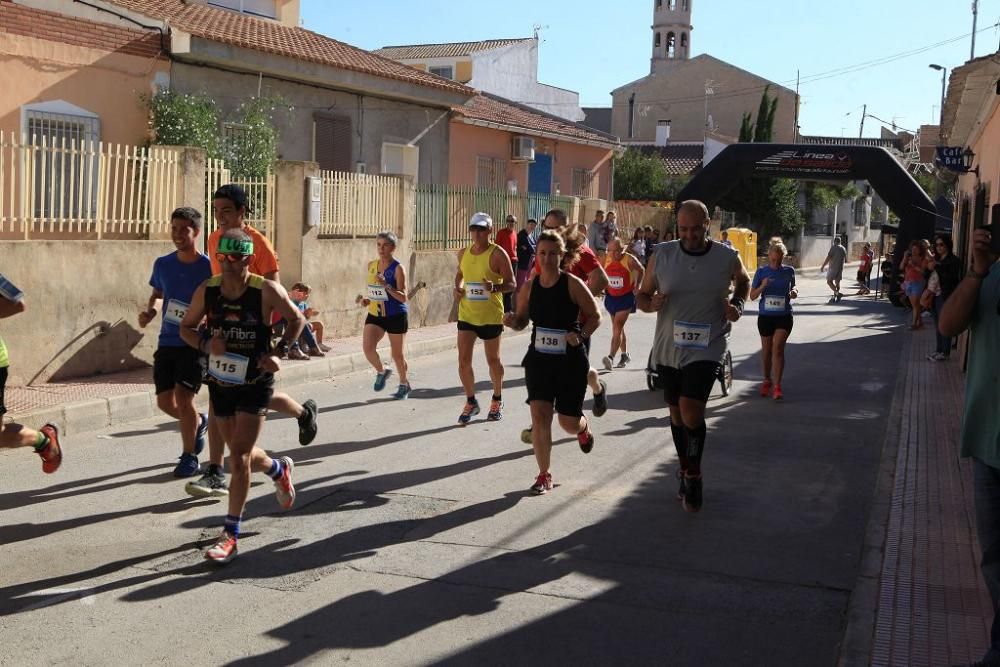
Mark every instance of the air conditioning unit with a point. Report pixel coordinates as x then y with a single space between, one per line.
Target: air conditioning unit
524 149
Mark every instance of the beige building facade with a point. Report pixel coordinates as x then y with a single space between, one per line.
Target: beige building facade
682 98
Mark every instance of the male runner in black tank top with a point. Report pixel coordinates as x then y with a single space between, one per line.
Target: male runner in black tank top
241 367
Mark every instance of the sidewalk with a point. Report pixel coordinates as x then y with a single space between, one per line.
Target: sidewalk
91 403
920 599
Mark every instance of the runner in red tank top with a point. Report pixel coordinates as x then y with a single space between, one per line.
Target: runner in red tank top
620 299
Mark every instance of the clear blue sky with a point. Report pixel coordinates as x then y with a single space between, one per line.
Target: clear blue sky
593 46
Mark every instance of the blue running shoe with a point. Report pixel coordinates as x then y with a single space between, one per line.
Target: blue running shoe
380 379
199 438
471 410
402 392
187 466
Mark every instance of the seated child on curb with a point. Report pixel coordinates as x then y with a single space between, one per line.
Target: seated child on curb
312 334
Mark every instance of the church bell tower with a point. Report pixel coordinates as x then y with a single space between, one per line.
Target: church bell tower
671 32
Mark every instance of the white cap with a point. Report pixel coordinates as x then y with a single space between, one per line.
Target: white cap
481 221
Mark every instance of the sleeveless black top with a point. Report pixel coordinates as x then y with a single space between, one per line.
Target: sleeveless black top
552 307
241 322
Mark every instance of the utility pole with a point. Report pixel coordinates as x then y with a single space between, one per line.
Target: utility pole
795 127
975 15
864 112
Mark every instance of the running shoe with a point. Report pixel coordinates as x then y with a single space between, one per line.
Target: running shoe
608 363
692 493
542 485
496 411
601 401
623 361
307 423
316 352
284 491
224 549
936 356
380 379
778 394
585 440
52 453
199 437
210 485
765 387
526 436
325 348
682 487
471 410
402 392
839 297
187 466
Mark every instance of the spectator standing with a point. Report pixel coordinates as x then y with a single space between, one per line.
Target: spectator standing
526 241
949 273
865 269
601 231
637 246
973 305
506 238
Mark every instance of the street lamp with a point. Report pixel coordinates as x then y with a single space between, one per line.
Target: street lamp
968 158
944 73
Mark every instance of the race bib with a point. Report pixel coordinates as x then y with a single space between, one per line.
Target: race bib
774 304
228 367
616 282
476 292
550 341
175 311
692 335
378 293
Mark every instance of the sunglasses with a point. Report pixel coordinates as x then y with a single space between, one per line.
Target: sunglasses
232 258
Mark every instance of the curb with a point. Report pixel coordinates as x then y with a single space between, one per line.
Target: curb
97 413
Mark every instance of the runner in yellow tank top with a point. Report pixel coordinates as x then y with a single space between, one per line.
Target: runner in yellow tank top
484 275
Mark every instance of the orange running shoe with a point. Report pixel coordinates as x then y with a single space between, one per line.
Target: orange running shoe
51 454
224 549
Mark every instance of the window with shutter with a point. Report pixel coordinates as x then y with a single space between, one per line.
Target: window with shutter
332 142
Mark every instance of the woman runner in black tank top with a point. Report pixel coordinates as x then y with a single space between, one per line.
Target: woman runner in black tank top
556 365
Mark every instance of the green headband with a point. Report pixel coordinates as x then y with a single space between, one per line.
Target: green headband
230 246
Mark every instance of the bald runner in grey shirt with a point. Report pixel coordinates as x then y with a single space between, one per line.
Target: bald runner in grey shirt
687 284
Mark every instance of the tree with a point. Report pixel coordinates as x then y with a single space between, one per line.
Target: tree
769 206
640 176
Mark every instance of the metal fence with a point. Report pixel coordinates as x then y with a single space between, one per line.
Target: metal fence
443 212
361 205
67 188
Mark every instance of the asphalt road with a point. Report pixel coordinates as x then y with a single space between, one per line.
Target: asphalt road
413 541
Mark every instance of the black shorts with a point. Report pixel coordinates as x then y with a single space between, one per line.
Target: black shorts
3 384
184 366
557 379
483 332
394 324
251 398
768 324
694 381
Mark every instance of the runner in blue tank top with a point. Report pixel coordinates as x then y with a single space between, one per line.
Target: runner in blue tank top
774 285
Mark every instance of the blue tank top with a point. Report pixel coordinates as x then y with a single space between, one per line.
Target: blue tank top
390 307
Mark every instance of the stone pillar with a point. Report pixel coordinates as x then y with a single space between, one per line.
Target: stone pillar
192 185
290 232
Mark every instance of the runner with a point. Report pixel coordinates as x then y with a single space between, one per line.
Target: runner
556 366
241 366
865 270
177 369
686 284
620 299
776 284
484 273
231 208
587 268
835 258
44 441
387 313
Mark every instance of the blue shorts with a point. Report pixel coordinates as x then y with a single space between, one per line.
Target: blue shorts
914 287
616 304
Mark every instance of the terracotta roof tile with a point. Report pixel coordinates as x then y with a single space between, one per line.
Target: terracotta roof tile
267 36
493 109
679 159
451 50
